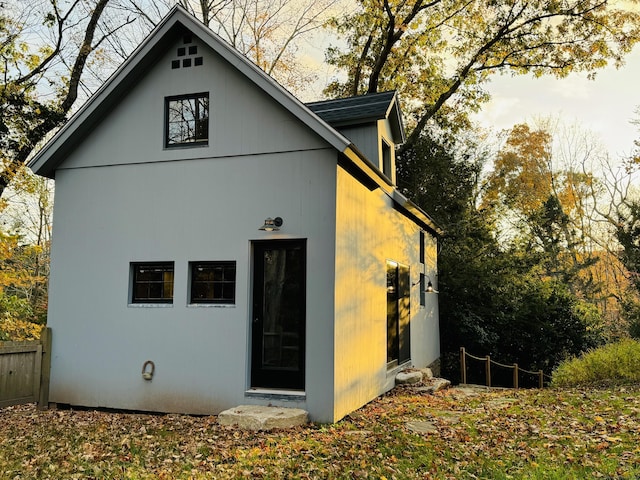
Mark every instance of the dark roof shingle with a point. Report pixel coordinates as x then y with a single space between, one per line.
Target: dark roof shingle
353 110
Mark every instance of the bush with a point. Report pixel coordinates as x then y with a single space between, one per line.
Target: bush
613 364
18 330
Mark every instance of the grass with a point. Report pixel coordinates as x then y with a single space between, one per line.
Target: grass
612 364
534 434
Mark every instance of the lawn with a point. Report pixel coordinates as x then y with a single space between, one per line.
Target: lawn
537 434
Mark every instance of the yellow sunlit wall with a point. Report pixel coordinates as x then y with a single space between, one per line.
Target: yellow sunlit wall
369 231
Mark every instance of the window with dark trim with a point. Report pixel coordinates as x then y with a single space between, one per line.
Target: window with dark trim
386 160
187 120
213 282
398 314
152 282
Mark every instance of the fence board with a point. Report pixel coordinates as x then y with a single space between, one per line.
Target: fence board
21 371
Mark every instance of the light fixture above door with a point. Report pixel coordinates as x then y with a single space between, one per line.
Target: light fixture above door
272 224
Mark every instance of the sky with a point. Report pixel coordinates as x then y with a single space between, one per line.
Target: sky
604 106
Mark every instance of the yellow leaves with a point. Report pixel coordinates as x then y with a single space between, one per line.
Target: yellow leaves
522 176
19 330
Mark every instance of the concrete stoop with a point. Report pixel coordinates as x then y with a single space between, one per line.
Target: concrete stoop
256 417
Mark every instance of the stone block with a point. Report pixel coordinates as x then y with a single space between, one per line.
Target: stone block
256 417
408 377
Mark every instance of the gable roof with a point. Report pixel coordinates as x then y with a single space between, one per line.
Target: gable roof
362 109
174 25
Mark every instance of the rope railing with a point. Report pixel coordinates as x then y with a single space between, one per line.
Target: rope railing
488 362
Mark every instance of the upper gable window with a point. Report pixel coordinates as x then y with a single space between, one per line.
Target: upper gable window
187 120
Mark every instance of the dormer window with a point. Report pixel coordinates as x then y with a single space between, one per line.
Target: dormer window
187 120
387 168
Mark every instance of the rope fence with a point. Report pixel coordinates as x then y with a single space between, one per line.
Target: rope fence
488 362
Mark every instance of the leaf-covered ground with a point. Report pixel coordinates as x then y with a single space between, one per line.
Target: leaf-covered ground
572 434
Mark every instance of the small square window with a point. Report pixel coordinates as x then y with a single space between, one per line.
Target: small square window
187 39
212 282
197 61
193 50
182 51
186 62
187 120
152 282
175 64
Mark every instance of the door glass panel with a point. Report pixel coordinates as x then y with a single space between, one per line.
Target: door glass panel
282 309
392 312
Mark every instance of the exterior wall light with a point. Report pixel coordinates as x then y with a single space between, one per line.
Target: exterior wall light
430 288
272 224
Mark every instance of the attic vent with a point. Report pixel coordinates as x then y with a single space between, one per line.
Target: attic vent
187 56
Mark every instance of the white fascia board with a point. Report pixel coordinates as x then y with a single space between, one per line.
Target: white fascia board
394 115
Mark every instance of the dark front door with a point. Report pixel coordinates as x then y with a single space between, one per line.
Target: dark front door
278 325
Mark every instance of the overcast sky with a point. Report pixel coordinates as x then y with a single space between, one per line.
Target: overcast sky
604 106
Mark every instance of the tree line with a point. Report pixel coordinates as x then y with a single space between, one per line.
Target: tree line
540 255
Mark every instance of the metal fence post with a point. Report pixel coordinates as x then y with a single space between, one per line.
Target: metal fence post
488 371
515 375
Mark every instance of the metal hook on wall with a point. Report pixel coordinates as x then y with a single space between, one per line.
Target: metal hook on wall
148 374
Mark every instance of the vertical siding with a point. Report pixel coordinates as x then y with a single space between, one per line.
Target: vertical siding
242 119
190 210
366 138
370 232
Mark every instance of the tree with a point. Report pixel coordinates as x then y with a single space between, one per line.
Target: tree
438 53
42 76
628 234
493 297
25 238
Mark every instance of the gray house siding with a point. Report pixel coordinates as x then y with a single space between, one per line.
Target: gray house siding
180 212
242 121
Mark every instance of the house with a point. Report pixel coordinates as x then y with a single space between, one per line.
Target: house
217 242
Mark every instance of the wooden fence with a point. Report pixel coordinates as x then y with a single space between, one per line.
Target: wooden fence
488 362
24 371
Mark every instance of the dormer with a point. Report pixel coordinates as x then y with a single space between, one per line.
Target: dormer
372 122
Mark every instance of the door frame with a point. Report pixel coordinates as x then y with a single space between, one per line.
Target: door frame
260 377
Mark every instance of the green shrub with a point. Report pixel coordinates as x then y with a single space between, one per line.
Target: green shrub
613 364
